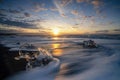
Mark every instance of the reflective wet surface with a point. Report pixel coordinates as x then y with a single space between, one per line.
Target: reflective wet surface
77 63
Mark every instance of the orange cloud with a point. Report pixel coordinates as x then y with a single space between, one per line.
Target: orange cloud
96 3
74 12
79 1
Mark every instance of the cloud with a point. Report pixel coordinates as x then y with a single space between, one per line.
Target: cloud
2 10
60 4
102 31
53 9
16 15
98 6
39 7
27 14
99 11
57 4
96 3
74 12
2 15
14 11
63 15
9 31
6 13
79 1
13 29
117 30
4 21
114 31
65 2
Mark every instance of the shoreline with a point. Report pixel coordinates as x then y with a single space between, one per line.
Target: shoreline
8 65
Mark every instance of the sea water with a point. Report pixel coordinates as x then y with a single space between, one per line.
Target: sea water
76 62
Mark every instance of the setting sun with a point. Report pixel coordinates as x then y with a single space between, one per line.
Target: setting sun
56 31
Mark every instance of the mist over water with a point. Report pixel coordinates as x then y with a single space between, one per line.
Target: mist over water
76 62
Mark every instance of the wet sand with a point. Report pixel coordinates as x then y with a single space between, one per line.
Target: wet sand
8 65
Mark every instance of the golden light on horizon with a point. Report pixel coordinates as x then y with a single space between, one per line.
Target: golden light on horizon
56 31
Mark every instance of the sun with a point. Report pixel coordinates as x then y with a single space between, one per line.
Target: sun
56 31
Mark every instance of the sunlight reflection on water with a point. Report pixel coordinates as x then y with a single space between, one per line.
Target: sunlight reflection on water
56 52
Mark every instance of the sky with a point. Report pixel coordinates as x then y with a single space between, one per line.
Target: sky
59 17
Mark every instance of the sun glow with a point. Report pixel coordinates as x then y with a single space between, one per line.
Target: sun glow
56 31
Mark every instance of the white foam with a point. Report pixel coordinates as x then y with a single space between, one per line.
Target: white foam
38 73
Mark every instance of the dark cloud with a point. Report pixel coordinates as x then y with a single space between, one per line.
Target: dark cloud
2 15
14 11
76 24
108 31
13 14
9 31
102 31
3 10
16 23
118 30
27 14
9 11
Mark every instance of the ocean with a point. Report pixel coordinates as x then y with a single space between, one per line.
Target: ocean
76 62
